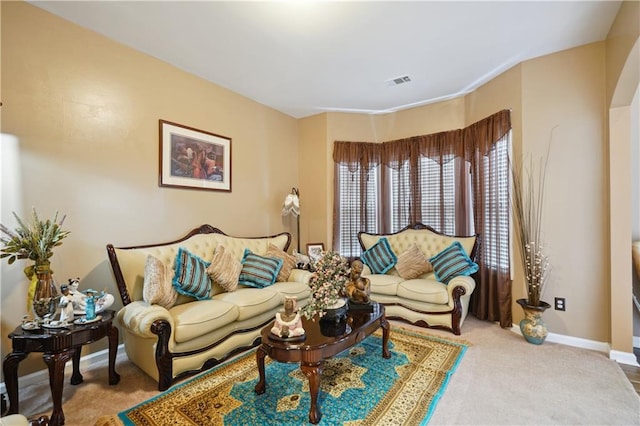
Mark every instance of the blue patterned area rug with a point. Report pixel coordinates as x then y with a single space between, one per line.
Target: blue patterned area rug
358 387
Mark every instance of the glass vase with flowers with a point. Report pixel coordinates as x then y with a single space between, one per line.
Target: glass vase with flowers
35 241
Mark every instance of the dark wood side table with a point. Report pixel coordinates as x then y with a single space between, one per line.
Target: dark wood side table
318 346
58 346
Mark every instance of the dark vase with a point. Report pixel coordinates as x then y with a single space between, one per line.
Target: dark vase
45 297
532 326
338 313
332 328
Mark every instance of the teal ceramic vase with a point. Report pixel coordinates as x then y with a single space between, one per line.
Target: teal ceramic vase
532 326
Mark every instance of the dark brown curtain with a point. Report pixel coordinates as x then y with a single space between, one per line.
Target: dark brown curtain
468 151
491 300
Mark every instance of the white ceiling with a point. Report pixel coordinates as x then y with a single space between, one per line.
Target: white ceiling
305 57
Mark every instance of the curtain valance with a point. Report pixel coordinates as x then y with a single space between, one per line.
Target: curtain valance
476 139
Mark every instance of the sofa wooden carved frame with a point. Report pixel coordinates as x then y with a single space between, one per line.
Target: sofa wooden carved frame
457 293
162 328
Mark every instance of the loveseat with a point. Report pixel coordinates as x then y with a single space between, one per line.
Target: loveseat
179 318
404 280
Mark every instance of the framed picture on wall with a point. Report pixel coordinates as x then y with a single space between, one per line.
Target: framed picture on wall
314 251
194 159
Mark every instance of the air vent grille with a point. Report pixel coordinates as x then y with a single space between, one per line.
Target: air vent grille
398 80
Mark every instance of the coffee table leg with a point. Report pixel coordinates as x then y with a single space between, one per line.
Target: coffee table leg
385 337
313 373
262 384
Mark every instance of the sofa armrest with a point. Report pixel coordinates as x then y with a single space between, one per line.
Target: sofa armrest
138 318
467 283
300 276
365 270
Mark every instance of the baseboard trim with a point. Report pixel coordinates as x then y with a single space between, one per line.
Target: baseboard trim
624 358
604 347
86 362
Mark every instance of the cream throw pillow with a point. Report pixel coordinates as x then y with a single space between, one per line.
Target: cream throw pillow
288 262
224 269
157 288
412 263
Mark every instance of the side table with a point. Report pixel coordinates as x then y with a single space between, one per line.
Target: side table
58 345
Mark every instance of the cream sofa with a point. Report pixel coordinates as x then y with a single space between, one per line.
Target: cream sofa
193 335
423 300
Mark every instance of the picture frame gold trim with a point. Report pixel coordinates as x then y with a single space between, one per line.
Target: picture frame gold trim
193 159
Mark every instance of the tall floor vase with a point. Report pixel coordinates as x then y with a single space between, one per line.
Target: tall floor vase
45 296
532 326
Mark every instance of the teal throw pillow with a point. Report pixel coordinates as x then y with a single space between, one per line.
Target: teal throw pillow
451 262
190 277
380 258
259 271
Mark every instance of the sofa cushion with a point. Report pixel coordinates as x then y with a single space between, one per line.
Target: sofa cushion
251 301
412 263
380 258
384 284
224 269
259 271
190 276
424 290
157 289
451 262
197 318
288 262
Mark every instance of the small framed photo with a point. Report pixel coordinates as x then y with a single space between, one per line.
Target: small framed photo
195 159
314 251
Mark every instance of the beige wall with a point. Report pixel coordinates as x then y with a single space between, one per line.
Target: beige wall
623 83
564 90
80 121
84 111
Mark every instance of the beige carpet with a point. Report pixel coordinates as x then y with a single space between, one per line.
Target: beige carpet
502 380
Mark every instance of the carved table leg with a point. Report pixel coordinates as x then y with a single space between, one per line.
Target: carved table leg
56 363
261 386
10 371
76 377
313 373
385 337
114 377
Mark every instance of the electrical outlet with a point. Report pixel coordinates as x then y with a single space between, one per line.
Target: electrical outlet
560 304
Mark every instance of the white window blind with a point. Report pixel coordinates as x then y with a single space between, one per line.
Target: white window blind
358 198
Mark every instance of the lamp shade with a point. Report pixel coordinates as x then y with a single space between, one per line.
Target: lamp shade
291 204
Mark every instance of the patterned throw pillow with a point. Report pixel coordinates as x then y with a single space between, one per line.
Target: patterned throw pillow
412 263
224 269
259 271
157 288
380 258
191 277
288 262
451 262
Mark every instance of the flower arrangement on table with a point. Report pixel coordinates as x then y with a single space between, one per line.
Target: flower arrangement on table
327 283
33 240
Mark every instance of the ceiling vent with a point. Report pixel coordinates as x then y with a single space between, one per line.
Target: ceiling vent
398 80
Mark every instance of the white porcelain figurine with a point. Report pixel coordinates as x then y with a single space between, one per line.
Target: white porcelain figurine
79 299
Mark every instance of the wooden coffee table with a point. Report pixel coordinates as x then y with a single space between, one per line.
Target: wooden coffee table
317 347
